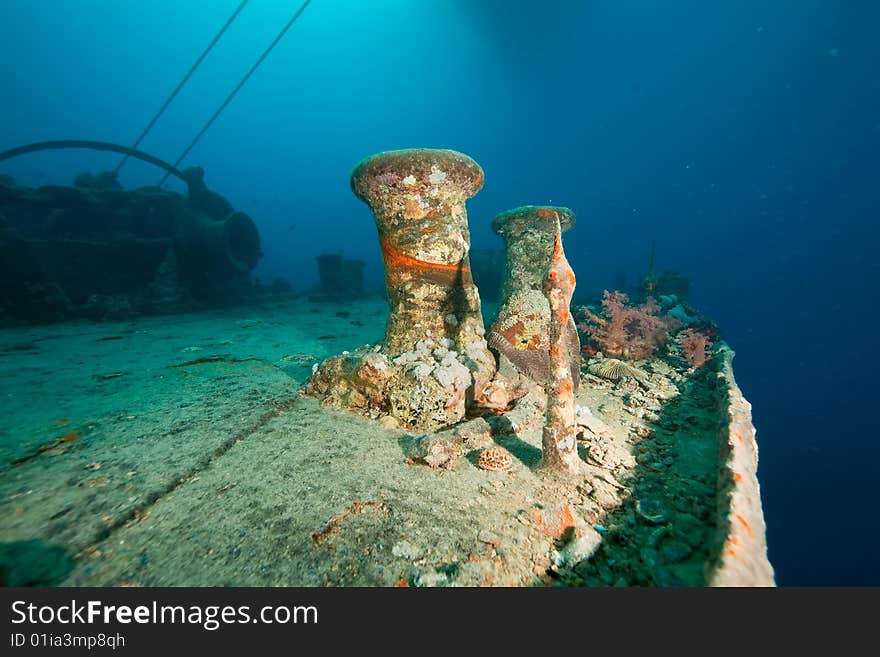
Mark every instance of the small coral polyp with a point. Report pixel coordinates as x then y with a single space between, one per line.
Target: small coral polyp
434 357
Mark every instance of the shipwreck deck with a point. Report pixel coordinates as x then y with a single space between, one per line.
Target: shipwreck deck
178 451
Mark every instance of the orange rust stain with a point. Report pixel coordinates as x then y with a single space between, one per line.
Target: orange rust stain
402 583
567 386
567 518
536 516
543 212
69 437
554 525
60 422
731 553
744 523
738 436
737 476
479 179
559 524
557 247
571 279
734 540
395 258
428 231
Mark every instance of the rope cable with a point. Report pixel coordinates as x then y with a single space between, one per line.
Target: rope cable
181 84
238 87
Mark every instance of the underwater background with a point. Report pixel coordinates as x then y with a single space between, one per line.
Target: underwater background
742 138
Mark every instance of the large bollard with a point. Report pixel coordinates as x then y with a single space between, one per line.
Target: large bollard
417 197
433 362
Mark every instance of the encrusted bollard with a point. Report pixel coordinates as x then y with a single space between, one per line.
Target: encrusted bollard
559 442
417 197
434 360
522 330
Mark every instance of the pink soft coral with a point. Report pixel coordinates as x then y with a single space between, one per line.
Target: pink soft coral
627 332
697 347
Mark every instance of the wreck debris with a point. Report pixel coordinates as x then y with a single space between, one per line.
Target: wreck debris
435 450
101 252
340 279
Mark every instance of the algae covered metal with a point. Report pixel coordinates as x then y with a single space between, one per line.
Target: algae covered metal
559 443
741 537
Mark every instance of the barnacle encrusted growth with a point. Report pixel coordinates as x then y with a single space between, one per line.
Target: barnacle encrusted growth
435 359
417 197
521 333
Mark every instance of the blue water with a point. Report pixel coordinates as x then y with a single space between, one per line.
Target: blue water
742 136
